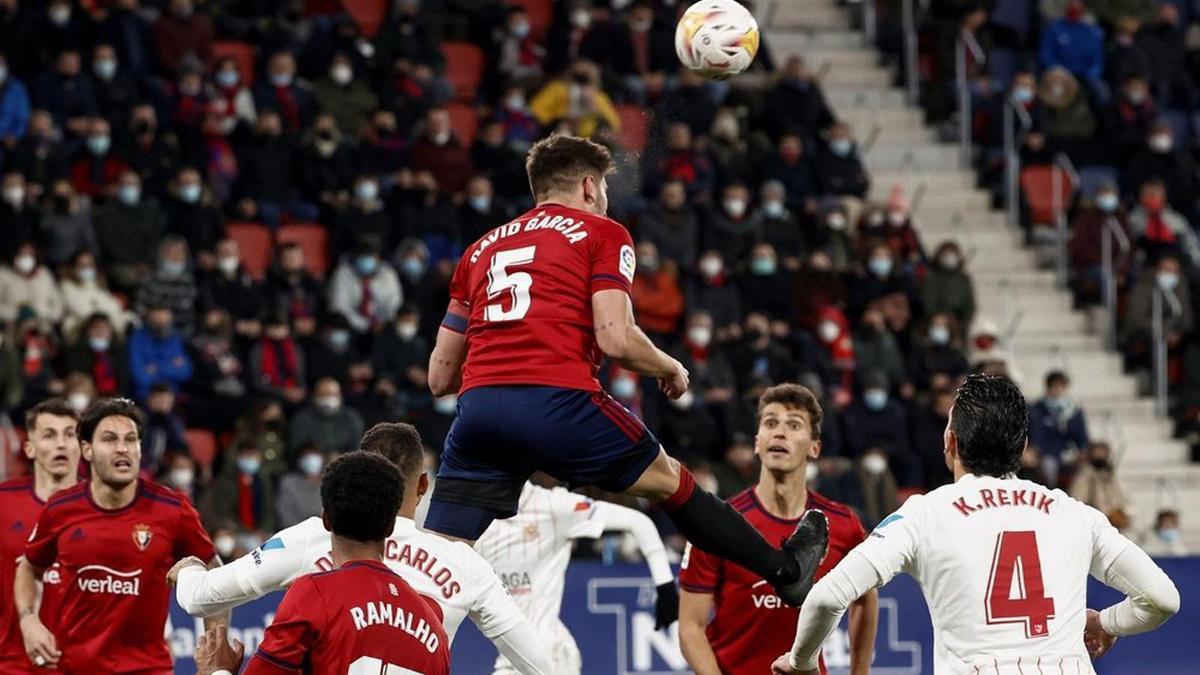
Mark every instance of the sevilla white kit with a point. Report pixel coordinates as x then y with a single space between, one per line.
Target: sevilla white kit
1003 564
451 573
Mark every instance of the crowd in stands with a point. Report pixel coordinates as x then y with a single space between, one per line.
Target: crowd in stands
244 215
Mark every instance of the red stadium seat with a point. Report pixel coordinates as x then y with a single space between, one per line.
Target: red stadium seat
541 15
314 240
464 68
1037 184
635 126
255 242
202 444
464 120
368 14
242 52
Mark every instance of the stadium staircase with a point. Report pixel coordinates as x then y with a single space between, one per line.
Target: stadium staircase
1012 288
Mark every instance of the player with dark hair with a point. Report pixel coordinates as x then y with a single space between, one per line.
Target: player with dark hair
971 543
53 450
729 621
115 537
534 305
360 617
451 573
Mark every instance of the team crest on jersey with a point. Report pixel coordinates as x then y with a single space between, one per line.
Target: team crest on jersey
628 262
531 532
142 536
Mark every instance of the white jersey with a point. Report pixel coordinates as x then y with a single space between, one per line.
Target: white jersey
451 573
1003 564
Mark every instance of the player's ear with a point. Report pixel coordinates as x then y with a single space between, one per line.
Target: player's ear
422 485
27 448
325 522
814 450
85 449
591 191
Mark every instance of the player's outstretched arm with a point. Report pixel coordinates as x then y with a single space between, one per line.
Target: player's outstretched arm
619 518
40 644
449 352
619 337
695 610
524 650
826 604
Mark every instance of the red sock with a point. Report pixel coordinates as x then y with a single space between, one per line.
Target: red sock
687 485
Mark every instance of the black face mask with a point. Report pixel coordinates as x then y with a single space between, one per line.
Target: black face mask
1099 463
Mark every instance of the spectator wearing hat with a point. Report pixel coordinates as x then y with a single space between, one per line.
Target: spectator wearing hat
157 353
99 352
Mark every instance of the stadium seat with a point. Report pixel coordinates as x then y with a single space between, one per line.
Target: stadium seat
255 242
464 68
368 14
541 15
314 240
202 444
1037 184
464 120
635 126
242 52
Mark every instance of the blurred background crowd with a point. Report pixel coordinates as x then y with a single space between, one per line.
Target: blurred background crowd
244 214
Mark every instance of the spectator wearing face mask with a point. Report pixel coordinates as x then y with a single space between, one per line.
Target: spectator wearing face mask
1165 277
179 473
217 391
680 161
1057 426
243 493
880 494
1163 160
937 358
66 93
430 214
19 216
839 170
129 231
96 168
713 291
363 221
284 93
25 282
99 352
345 96
277 364
657 298
732 154
1165 42
1096 484
482 210
231 98
947 287
230 287
516 54
642 52
78 391
163 431
171 285
1159 230
193 212
879 277
780 227
763 285
796 103
84 293
292 291
691 103
326 167
875 420
1084 249
1067 118
731 225
365 290
299 494
408 33
758 358
791 165
326 422
1130 118
711 373
928 428
818 286
441 152
1164 541
1077 45
832 332
65 226
672 225
876 349
157 353
331 351
493 156
401 355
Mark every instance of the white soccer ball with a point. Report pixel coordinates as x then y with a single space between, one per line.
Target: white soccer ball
716 39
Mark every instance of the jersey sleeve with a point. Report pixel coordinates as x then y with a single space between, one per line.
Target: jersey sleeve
575 514
42 548
613 261
460 290
493 611
1107 542
191 538
297 625
891 548
699 572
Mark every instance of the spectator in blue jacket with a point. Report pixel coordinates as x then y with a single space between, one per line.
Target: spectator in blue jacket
1056 425
1077 45
14 109
157 353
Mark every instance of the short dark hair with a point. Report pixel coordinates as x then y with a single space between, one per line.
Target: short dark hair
1056 377
56 406
360 495
108 407
990 419
557 162
795 397
398 443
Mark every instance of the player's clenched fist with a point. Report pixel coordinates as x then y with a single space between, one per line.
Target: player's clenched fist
676 384
40 644
1097 640
215 652
783 666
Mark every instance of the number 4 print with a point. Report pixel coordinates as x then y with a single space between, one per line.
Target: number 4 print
1017 558
516 283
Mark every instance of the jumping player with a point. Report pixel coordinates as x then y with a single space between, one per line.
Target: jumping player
749 624
450 573
534 305
115 537
54 451
1003 562
360 617
531 550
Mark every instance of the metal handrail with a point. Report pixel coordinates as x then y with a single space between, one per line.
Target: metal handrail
865 147
1062 164
1158 332
1108 273
963 86
1012 156
870 21
918 196
909 21
823 70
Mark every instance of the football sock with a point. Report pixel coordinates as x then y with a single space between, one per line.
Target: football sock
717 528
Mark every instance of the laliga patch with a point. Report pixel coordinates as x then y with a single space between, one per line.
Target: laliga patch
628 262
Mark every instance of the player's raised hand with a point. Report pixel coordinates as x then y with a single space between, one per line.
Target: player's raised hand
190 561
215 652
1095 638
675 384
40 645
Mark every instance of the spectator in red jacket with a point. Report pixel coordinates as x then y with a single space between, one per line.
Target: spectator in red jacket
440 151
182 37
97 168
657 298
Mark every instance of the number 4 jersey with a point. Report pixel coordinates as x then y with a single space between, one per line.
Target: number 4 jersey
522 294
1003 564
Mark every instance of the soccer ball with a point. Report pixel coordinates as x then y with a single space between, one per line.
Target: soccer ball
716 39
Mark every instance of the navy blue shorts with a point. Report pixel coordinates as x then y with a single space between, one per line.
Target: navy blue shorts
504 434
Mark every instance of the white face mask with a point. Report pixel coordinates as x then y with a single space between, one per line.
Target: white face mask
829 331
341 74
701 336
225 545
15 195
581 18
836 221
86 274
441 138
328 403
684 402
711 267
227 265
624 387
79 401
735 207
874 464
897 218
25 263
406 330
311 464
182 479
1161 143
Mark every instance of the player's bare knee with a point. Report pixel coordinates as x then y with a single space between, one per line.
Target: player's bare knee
660 480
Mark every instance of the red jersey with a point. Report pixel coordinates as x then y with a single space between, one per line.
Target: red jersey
114 610
360 618
19 509
751 626
527 288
